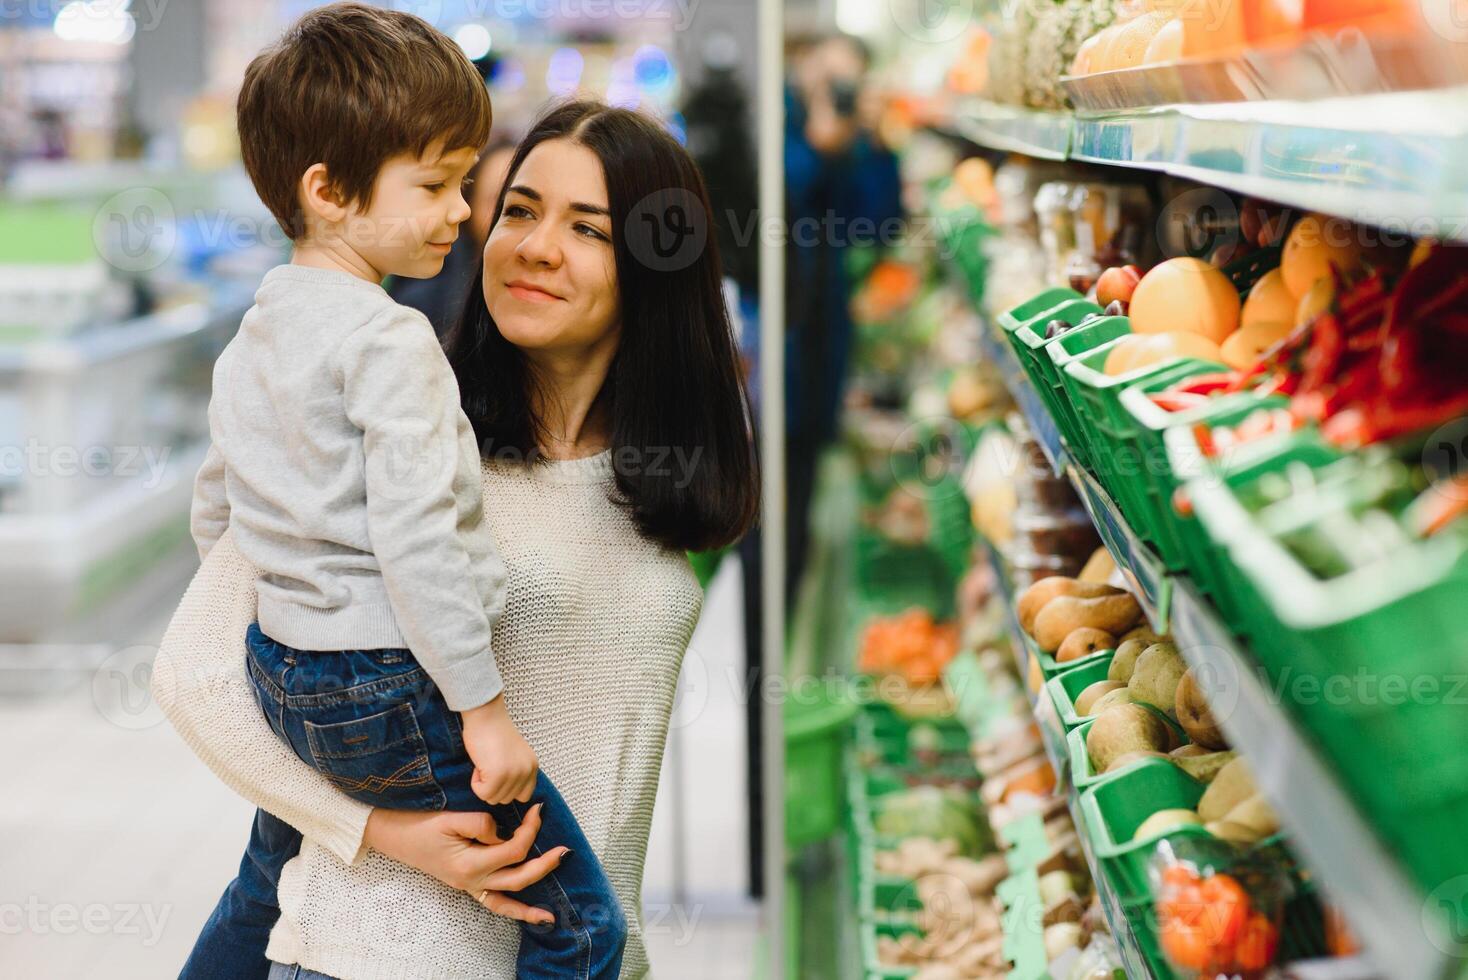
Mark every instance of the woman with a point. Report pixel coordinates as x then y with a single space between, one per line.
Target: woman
600 378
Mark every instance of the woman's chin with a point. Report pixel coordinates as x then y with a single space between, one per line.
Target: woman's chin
527 333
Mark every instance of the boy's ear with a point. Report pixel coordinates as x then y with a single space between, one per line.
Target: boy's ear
319 196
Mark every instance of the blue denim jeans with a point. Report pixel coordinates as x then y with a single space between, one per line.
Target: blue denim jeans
280 971
373 722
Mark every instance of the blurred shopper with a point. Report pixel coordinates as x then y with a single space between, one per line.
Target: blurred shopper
836 173
441 298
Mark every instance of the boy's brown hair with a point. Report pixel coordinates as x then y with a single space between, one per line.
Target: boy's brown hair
351 86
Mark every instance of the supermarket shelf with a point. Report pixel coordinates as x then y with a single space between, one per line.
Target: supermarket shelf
227 302
1144 571
1324 826
1116 920
1033 132
1042 426
1391 159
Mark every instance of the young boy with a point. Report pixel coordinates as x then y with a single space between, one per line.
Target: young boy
350 476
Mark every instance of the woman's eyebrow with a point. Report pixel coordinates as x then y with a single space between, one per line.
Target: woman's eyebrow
578 206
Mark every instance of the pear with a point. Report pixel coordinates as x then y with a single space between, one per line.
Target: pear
1231 786
1088 697
1164 821
1118 696
1124 661
1124 728
1038 595
1193 713
1084 642
1063 615
1156 675
1203 768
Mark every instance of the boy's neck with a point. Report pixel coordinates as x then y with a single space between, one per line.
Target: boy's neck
336 259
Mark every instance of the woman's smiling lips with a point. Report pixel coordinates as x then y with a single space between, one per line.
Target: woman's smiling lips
530 293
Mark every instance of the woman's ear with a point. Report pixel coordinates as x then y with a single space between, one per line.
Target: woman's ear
319 196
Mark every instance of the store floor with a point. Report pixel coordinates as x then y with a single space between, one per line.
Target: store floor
115 841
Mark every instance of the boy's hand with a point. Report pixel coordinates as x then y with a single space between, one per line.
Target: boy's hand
504 763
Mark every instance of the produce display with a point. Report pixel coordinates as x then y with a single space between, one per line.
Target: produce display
1208 447
1023 54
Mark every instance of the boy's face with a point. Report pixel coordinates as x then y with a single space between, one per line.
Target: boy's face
417 207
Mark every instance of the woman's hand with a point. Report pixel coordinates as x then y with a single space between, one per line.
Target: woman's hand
463 851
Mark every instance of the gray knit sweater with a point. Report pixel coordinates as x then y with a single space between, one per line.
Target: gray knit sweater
350 475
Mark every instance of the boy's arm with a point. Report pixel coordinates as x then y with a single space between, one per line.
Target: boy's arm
209 513
400 391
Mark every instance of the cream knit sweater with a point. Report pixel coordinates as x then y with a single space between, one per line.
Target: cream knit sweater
596 622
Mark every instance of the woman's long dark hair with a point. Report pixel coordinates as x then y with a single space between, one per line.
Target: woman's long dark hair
682 434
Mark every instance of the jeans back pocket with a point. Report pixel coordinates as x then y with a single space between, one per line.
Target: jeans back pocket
381 759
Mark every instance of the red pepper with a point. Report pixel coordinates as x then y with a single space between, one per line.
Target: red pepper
1178 401
1207 384
1206 445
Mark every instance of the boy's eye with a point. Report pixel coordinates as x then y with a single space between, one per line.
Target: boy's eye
435 187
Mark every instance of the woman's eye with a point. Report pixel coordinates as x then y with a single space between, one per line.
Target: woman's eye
516 211
591 232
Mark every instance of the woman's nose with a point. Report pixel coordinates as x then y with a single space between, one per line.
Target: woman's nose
539 247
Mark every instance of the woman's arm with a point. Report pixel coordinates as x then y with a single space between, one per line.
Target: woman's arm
199 681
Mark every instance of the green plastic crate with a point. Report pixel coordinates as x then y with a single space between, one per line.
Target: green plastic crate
1066 686
815 739
1064 349
880 742
1010 320
1156 519
1082 777
1375 671
1204 556
1223 519
1107 427
1031 346
1049 666
873 967
1115 807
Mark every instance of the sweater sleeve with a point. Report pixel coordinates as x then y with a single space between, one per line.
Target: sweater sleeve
199 682
399 389
209 512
